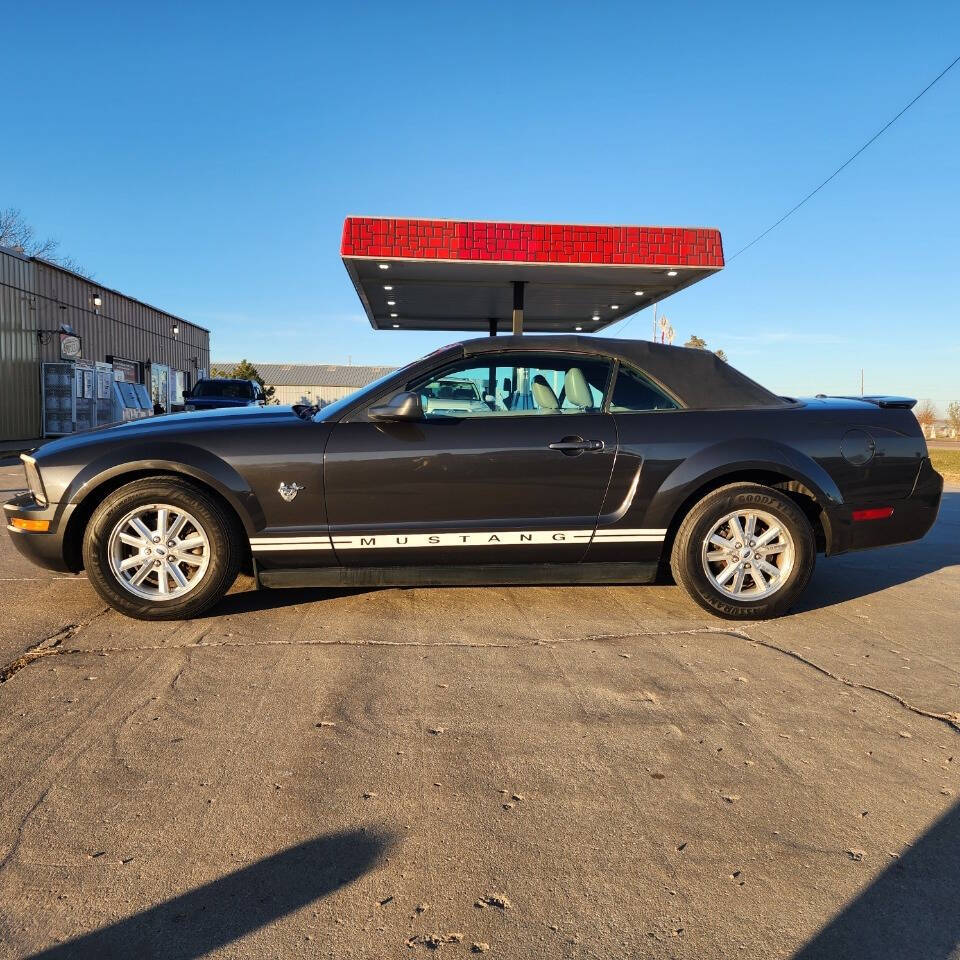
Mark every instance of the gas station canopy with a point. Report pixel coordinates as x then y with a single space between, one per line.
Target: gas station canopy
487 276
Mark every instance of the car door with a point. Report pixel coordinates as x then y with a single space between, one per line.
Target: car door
509 463
655 435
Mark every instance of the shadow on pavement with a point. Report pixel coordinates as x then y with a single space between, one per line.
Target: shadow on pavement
858 574
224 910
835 580
257 601
910 910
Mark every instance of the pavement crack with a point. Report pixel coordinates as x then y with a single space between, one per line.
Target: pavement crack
52 644
44 648
951 718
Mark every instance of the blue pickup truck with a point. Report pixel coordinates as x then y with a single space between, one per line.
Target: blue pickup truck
209 394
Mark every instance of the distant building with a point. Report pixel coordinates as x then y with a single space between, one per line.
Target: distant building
66 340
312 383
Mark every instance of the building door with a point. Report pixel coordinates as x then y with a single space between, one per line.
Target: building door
159 387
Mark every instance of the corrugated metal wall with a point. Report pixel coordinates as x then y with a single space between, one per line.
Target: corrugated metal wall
35 296
124 327
311 394
19 351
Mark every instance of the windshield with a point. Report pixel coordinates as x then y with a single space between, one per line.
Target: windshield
332 410
230 389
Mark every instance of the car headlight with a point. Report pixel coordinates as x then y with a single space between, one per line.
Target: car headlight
33 479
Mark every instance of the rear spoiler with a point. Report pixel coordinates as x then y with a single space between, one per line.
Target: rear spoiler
885 403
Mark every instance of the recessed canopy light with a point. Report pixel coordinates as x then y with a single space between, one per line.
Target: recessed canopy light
394 314
596 316
614 306
391 303
671 273
387 286
384 266
638 293
578 328
396 326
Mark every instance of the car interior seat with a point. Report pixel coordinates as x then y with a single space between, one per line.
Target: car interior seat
543 395
577 390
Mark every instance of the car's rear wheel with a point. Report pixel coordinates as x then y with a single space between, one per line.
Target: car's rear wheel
161 549
745 551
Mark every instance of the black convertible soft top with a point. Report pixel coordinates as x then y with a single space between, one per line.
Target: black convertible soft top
698 378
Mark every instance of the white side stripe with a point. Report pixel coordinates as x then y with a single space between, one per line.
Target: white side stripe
265 544
280 545
474 538
322 538
617 532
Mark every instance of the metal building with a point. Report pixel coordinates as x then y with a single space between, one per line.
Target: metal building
311 383
65 340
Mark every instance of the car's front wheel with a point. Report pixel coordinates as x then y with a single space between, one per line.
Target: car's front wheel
745 551
161 549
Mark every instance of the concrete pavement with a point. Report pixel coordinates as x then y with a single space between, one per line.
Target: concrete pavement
542 772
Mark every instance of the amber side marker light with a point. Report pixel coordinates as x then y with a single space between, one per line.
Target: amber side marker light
877 513
34 526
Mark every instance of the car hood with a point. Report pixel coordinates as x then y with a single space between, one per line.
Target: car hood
172 426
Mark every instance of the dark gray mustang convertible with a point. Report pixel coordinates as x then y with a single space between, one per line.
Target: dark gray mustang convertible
521 460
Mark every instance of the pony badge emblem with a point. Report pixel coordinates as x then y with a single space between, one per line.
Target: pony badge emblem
289 491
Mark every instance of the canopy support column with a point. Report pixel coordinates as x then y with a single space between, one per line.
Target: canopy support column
493 327
518 286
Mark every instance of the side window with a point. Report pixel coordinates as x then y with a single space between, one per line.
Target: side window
634 392
510 385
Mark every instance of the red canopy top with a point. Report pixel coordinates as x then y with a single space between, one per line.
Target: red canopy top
463 274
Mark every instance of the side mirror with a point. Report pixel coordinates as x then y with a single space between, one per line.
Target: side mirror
404 406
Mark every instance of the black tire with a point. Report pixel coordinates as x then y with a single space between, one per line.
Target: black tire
221 528
688 563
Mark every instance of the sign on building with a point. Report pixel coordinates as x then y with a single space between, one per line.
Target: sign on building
70 346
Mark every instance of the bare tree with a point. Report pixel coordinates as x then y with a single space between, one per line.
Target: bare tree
953 415
926 413
16 232
721 355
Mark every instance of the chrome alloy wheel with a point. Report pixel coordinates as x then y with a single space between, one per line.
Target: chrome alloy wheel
748 554
158 552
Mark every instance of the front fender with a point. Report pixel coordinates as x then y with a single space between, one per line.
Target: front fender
731 457
168 457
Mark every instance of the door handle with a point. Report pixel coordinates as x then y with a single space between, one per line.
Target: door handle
572 445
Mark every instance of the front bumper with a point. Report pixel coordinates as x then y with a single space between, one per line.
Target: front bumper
912 517
43 549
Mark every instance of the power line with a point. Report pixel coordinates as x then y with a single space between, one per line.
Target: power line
847 162
835 173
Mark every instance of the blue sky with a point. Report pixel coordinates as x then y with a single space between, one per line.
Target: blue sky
203 156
